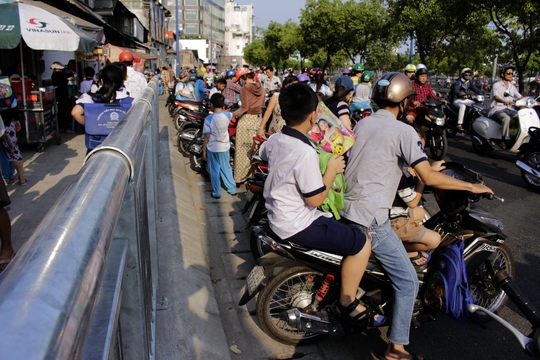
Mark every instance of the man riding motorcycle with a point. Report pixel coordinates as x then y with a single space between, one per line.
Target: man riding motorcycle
459 94
423 91
503 94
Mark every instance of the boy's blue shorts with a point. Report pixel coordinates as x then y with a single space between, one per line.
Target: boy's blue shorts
330 235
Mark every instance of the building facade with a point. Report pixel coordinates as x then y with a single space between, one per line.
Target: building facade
239 30
200 19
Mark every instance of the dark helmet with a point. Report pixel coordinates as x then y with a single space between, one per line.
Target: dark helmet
305 70
346 82
393 87
230 73
192 78
505 68
421 71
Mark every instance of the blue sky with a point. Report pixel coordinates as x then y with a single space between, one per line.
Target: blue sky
274 10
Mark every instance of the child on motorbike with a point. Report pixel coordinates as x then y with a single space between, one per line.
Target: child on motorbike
406 215
295 188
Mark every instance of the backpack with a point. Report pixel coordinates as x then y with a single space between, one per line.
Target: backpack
100 119
447 286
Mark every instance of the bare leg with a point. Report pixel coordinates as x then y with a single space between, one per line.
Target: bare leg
6 250
352 270
20 170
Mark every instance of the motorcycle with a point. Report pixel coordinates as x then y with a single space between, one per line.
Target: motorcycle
197 163
530 166
360 114
529 343
181 106
473 111
189 129
295 286
485 130
433 122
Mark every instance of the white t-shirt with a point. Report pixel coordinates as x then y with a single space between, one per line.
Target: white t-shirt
362 93
217 126
293 175
135 83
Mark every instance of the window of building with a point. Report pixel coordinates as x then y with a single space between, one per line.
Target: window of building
191 2
237 47
191 28
237 8
191 14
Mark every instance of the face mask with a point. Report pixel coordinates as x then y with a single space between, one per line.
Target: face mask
467 76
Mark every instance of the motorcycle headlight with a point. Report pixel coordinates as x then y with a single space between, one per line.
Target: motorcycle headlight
480 98
439 121
530 102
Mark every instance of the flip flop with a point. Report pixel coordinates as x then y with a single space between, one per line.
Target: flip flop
421 255
23 183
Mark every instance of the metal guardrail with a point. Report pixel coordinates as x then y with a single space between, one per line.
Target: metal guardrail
84 285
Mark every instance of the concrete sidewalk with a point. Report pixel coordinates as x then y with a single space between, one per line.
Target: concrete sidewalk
188 325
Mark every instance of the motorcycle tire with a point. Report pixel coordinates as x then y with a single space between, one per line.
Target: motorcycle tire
481 282
438 146
198 165
183 145
533 160
178 121
171 108
287 290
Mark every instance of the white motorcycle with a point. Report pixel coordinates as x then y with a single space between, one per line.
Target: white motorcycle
486 131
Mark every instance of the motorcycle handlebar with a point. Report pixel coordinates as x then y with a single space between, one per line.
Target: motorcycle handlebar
491 196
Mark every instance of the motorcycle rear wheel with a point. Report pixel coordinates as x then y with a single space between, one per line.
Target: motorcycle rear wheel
183 145
533 160
288 290
481 281
438 146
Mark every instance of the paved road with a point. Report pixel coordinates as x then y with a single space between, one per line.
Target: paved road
444 338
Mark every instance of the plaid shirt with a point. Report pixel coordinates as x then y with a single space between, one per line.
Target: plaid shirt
423 92
230 92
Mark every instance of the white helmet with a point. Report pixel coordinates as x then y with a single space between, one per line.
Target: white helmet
466 70
420 66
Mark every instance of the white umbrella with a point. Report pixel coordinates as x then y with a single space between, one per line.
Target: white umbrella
40 30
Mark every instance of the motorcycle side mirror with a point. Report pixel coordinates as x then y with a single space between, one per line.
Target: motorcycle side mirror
506 93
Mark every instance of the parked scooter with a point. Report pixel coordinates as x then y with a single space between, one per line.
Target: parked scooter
473 112
295 286
190 126
530 166
433 122
485 130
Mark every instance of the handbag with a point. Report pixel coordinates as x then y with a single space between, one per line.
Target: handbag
4 196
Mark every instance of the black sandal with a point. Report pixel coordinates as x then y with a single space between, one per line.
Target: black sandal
368 315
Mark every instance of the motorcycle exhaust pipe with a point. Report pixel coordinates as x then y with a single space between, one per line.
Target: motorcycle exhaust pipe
196 149
318 322
187 136
520 164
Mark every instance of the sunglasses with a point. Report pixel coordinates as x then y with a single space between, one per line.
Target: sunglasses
509 73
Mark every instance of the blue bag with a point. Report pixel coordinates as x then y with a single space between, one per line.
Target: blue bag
447 287
101 118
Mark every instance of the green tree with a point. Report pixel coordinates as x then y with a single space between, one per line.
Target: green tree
256 53
517 24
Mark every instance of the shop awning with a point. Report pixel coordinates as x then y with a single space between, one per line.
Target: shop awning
91 30
139 57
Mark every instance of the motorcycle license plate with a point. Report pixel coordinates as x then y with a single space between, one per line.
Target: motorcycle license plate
254 279
249 195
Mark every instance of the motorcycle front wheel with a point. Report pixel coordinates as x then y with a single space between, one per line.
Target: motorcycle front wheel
533 160
438 146
481 280
293 287
198 165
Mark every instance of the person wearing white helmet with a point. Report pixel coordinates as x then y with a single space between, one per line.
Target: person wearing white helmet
135 82
459 94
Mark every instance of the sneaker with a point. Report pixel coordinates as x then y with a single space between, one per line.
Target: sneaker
215 196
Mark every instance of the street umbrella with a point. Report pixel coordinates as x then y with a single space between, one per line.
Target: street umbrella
40 30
